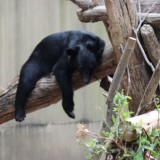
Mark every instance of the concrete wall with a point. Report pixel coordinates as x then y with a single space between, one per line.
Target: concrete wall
46 134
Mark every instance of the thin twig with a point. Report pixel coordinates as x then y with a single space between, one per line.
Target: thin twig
129 80
140 24
143 52
139 9
136 34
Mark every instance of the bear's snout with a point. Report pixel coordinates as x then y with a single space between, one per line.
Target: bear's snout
86 78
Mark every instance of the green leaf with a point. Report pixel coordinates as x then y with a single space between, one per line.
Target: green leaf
105 134
151 147
113 119
139 155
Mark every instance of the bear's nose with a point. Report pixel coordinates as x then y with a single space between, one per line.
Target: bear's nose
85 76
86 79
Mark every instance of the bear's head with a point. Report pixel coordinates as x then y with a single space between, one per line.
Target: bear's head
85 57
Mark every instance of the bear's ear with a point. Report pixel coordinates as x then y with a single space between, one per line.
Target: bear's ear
93 45
73 51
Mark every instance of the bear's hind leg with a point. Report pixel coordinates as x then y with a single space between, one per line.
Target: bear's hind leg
30 74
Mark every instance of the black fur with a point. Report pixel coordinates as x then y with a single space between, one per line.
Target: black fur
61 54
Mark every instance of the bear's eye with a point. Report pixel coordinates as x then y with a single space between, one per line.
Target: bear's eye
92 46
89 45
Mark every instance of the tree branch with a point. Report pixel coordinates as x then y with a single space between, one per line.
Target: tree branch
95 14
151 43
90 10
150 90
47 91
85 4
118 75
151 18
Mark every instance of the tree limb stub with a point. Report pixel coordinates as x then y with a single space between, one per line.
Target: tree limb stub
151 43
47 91
95 14
86 4
90 10
147 121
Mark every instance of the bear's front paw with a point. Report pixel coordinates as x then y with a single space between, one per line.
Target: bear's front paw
71 114
20 115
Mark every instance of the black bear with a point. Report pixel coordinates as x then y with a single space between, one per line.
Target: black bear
61 54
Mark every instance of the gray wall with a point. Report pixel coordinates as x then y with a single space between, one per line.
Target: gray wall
46 134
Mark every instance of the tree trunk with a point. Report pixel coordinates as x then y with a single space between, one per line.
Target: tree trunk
122 19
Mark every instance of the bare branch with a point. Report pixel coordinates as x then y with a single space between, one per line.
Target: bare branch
122 65
151 18
149 10
150 90
118 75
143 52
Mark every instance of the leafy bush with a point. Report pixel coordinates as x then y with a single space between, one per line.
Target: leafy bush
141 144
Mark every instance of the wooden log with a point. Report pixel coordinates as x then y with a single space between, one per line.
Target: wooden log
151 43
146 121
47 91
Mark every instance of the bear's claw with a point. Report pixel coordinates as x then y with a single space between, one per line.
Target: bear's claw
71 114
20 116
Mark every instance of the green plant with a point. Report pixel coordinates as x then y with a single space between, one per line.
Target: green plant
143 144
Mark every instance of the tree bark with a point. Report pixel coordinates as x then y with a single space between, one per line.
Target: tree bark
47 91
150 90
95 14
151 43
122 19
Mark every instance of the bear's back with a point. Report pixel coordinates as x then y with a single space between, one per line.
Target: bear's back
64 40
54 46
